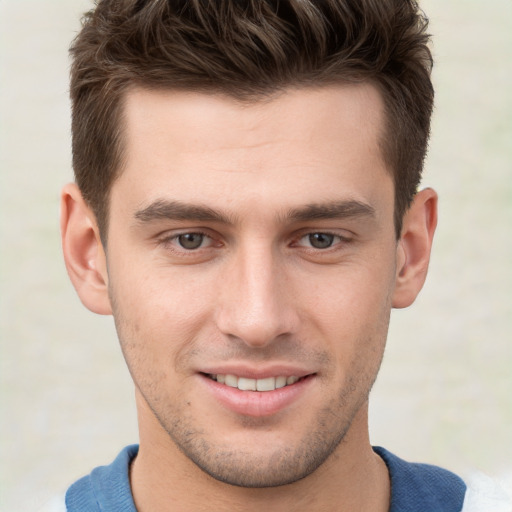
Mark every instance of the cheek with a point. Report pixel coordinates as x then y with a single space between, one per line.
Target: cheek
351 315
155 295
158 314
355 296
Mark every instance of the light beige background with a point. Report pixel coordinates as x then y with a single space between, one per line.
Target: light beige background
445 392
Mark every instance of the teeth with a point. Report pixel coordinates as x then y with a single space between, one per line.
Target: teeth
244 384
280 382
231 381
266 384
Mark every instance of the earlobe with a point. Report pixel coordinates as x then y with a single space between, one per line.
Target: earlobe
83 251
413 252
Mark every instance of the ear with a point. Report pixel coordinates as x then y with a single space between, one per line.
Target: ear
83 251
413 253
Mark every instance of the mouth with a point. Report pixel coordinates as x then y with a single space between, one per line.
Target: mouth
248 395
246 384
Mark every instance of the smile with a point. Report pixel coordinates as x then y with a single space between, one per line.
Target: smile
248 395
245 384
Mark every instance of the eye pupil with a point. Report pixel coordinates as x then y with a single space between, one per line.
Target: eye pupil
321 240
191 240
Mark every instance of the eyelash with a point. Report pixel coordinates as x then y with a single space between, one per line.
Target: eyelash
172 242
340 240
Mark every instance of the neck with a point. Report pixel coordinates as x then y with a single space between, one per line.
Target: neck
353 478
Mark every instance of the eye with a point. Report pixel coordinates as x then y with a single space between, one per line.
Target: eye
191 241
189 247
319 240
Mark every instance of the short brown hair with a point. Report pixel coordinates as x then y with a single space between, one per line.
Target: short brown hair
248 49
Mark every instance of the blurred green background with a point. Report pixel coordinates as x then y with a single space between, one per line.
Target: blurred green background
444 394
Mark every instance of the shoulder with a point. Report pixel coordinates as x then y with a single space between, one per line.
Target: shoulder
485 494
105 488
422 486
426 487
413 487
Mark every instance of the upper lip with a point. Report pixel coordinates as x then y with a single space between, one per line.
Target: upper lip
259 372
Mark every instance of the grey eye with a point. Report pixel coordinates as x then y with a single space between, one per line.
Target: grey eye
321 240
191 241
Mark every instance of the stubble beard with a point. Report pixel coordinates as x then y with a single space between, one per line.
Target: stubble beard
250 469
283 466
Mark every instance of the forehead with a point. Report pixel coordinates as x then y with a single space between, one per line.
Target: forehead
343 112
301 146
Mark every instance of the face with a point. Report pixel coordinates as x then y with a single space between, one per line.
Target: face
251 262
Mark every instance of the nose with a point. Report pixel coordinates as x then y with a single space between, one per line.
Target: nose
255 303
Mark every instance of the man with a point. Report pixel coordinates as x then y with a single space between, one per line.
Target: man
246 206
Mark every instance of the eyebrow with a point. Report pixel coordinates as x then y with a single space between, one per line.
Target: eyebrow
162 209
176 210
332 210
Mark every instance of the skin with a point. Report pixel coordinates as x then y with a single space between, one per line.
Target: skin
259 184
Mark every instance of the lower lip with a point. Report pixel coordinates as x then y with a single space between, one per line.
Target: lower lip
257 403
